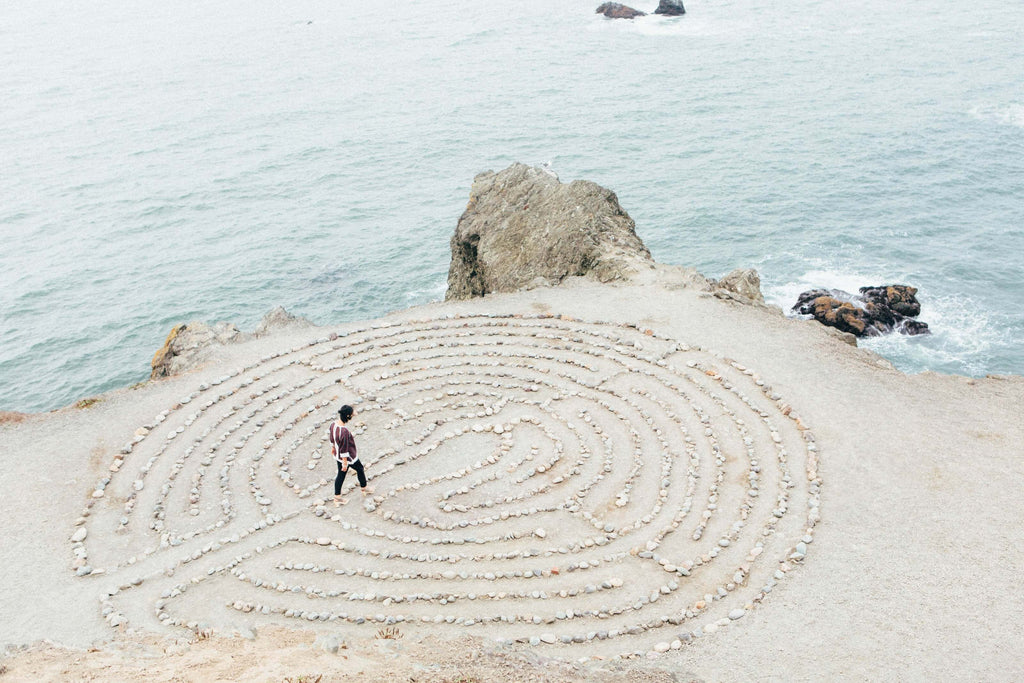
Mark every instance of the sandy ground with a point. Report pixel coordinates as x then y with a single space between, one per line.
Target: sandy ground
280 655
914 572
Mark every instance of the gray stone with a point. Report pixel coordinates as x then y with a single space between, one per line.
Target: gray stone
743 282
672 8
280 319
616 10
329 643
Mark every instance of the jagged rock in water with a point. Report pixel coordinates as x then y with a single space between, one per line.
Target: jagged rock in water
279 319
672 8
523 228
900 298
875 311
744 282
834 312
188 345
615 10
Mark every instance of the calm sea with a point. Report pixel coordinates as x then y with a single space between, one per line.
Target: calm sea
167 161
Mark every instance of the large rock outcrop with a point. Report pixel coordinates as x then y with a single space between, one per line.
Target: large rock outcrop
672 8
615 10
191 344
188 345
875 311
523 228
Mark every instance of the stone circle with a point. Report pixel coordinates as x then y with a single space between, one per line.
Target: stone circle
539 480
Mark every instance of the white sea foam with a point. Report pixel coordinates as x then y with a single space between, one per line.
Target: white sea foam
686 25
1005 114
964 335
435 292
785 294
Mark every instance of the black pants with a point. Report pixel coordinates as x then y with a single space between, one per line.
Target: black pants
340 479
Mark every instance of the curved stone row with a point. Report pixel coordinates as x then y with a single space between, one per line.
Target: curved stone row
539 480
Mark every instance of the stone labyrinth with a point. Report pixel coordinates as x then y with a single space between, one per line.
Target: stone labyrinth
539 480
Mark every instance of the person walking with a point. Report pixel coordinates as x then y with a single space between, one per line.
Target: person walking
343 448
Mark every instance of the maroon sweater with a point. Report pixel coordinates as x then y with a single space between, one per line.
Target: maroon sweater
342 441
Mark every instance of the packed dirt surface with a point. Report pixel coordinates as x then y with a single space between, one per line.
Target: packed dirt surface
635 482
290 655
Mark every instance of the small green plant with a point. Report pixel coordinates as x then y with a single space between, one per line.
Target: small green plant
87 403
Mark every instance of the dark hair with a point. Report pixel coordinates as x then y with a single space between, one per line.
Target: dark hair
345 413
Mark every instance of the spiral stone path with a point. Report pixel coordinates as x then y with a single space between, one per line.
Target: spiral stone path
584 487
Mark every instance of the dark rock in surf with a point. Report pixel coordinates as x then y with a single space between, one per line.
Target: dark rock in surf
834 312
873 312
671 8
615 10
900 298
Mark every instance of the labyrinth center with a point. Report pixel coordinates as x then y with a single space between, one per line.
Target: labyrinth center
537 480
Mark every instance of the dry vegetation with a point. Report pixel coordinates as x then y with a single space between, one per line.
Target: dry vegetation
87 402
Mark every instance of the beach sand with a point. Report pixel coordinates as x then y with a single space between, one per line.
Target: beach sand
913 569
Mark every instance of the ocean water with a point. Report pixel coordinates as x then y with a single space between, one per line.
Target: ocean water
162 162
